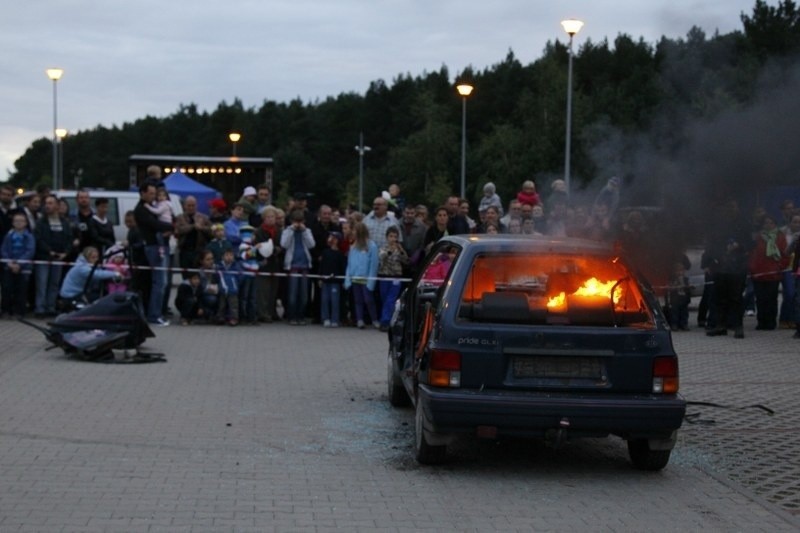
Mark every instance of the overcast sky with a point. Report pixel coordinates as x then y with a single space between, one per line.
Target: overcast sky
125 60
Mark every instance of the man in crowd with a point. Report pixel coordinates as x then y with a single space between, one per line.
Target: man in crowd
457 224
82 222
412 232
193 231
378 221
157 255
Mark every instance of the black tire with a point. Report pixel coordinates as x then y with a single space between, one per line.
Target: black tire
398 396
643 458
425 453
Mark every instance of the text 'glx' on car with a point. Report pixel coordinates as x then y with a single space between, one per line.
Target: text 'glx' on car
532 337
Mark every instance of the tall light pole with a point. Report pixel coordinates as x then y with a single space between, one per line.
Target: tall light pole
55 75
60 134
572 27
234 137
361 149
464 90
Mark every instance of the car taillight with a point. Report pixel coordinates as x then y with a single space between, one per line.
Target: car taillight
445 368
665 375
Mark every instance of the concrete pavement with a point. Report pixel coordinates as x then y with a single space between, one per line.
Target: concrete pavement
281 428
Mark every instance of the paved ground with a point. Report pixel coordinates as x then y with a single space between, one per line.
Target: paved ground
279 428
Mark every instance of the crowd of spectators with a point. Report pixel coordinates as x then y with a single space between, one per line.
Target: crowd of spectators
253 262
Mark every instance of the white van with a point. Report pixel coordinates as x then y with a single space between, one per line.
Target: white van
119 203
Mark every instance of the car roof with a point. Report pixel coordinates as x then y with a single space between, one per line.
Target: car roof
527 243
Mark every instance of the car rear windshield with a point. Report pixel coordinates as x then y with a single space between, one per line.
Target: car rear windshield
555 289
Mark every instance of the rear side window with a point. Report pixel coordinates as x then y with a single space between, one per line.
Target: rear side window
555 289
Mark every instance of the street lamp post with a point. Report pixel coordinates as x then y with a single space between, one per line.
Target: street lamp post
464 90
60 134
361 149
234 137
55 75
572 27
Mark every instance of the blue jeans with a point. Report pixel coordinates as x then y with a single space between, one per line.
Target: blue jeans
247 298
48 279
362 298
330 301
297 294
787 301
390 290
157 258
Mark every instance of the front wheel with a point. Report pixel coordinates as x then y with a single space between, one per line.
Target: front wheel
425 453
643 458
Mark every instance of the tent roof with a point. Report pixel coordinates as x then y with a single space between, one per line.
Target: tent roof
180 183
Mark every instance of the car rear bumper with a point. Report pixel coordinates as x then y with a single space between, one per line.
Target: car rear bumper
535 413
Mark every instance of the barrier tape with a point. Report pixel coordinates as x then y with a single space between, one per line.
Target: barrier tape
178 270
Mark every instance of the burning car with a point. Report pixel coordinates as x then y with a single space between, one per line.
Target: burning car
523 336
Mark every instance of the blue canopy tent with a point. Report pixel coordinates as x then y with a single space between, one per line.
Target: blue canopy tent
179 183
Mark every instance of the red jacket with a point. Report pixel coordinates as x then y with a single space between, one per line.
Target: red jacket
764 268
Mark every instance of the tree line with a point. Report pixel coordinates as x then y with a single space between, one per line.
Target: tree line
515 127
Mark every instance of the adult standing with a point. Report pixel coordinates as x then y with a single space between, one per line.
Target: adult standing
792 232
267 281
101 230
438 229
157 255
728 248
323 225
767 262
54 242
413 238
378 221
193 231
7 208
82 221
457 224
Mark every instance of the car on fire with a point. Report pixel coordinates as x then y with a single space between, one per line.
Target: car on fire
520 336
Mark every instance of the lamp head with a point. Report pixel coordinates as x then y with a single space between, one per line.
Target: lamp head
464 89
571 26
55 73
234 137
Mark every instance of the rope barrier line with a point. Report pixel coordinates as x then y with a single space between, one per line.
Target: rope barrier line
178 270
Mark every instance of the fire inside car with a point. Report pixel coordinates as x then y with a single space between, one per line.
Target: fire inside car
552 289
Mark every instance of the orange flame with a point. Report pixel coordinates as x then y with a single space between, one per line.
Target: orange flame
592 288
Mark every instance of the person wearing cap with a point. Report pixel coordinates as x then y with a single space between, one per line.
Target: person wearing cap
248 200
233 224
217 211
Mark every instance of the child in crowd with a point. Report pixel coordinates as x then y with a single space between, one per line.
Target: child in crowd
298 241
332 267
678 298
248 260
163 210
189 299
528 194
490 197
229 273
391 259
218 244
209 282
18 249
439 268
361 274
115 262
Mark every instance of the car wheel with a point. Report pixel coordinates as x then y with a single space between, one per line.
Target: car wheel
426 454
398 397
643 458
